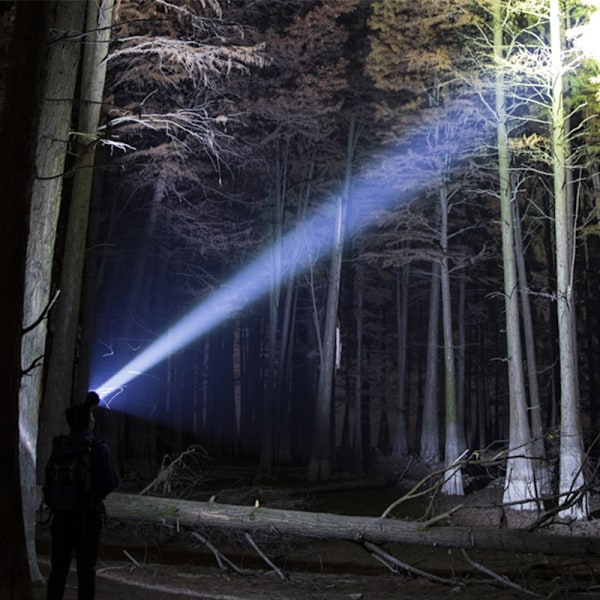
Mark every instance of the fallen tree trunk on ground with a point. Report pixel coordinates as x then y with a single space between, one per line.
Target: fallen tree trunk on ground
352 528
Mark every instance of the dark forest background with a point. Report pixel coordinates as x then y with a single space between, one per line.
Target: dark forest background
236 123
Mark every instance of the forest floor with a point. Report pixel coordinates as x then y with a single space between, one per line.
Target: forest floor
144 562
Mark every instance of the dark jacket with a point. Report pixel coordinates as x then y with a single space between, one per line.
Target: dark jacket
103 475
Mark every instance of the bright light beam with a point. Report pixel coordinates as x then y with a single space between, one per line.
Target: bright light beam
307 241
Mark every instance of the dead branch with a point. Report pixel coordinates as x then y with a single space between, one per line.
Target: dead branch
224 563
500 578
386 558
277 570
44 313
177 474
202 63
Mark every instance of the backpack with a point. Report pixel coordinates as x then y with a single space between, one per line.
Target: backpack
67 483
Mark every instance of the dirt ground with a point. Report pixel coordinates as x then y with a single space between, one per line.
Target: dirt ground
144 562
153 582
520 576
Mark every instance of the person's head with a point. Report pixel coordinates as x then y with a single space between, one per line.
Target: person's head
81 416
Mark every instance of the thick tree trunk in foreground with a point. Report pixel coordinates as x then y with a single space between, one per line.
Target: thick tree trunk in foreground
18 135
63 52
63 355
342 527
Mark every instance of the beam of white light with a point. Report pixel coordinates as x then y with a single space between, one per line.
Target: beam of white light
310 239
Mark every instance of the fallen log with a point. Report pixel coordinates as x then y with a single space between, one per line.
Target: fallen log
173 511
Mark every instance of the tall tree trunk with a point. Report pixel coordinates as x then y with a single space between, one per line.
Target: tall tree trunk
482 404
319 466
58 392
519 487
284 446
271 400
430 434
571 440
19 135
553 352
540 466
320 461
357 443
283 451
51 151
453 481
251 385
400 441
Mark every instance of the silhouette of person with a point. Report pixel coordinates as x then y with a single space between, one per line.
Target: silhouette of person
79 530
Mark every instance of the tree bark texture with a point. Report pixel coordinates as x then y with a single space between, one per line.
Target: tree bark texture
341 527
66 323
50 153
400 441
430 436
59 392
453 484
571 439
520 485
319 465
19 130
53 138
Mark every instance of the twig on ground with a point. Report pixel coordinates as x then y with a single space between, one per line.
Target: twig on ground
387 558
277 570
130 557
500 578
223 562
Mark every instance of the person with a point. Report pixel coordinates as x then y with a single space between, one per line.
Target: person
79 530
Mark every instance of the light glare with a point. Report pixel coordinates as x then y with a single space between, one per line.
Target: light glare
308 240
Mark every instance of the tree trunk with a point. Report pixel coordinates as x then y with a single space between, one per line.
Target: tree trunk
359 313
571 440
453 481
18 437
283 441
58 390
430 435
173 512
461 361
51 151
541 468
400 441
269 399
319 466
520 486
